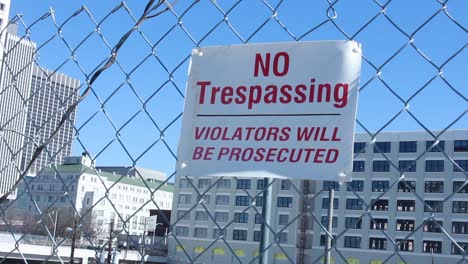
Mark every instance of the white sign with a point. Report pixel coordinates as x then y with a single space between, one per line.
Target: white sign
271 110
152 222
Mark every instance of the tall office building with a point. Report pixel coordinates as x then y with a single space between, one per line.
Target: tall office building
378 217
15 83
51 95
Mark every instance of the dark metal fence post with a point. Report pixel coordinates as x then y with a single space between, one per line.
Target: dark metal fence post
266 213
109 249
328 245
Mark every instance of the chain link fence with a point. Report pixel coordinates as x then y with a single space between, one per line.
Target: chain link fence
108 80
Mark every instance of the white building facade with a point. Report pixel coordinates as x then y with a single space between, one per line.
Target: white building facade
127 204
408 196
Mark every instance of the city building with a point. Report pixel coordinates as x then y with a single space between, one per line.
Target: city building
15 82
78 184
407 201
32 102
51 95
4 13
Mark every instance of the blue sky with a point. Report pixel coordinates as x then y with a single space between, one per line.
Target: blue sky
436 106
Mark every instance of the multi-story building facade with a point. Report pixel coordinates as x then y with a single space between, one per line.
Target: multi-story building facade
15 82
84 187
407 201
50 96
32 102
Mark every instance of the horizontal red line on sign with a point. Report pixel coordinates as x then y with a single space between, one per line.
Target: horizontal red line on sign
221 115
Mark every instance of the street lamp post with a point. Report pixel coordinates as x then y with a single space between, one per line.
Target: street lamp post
55 229
72 250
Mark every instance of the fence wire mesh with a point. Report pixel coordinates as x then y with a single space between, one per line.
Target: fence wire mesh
122 106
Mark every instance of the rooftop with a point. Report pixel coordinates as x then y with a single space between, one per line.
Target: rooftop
136 181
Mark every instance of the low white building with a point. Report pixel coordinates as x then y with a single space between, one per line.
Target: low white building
377 217
111 197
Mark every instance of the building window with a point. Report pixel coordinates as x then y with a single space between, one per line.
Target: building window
407 165
201 216
433 226
430 246
405 205
2 7
257 236
359 166
284 219
380 166
433 206
239 234
382 147
440 147
356 186
460 227
379 205
353 222
204 183
359 147
323 240
326 203
259 201
328 185
406 186
352 242
260 184
325 221
282 237
182 231
434 186
224 184
377 243
405 245
204 198
460 207
434 165
460 186
222 199
456 250
408 146
242 200
243 184
258 219
201 232
241 218
460 146
221 217
285 184
463 164
184 183
353 204
182 215
285 202
404 225
217 233
380 186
